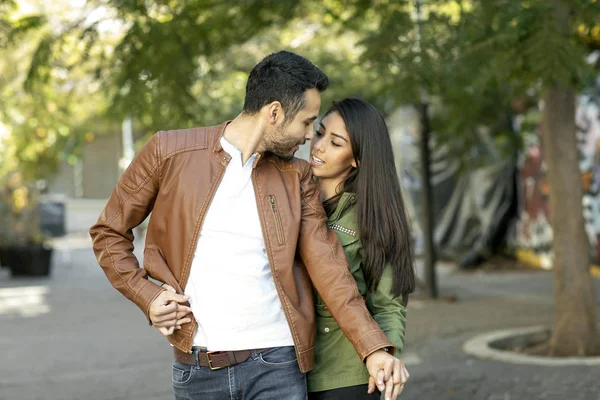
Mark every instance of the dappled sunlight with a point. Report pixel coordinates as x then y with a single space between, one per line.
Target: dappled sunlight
25 301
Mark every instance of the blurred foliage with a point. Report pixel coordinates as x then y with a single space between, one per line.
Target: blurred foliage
67 72
49 97
479 62
72 71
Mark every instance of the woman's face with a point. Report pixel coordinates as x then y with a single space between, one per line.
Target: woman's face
330 149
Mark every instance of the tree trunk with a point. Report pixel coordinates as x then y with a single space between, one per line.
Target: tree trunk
431 288
574 332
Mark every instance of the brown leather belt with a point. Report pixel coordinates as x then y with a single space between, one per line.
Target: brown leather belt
216 359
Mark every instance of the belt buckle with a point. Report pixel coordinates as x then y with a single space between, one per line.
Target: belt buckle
210 362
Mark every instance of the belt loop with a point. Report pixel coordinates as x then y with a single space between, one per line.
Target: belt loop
196 353
231 356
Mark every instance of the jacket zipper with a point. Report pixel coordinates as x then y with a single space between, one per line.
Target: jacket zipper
278 224
282 298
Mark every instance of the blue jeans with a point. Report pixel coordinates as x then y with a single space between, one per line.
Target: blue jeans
273 374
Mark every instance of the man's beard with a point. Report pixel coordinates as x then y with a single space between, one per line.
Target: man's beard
285 157
281 145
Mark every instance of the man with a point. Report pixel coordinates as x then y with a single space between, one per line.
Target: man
231 207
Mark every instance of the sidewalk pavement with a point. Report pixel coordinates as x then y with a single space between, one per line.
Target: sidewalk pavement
72 336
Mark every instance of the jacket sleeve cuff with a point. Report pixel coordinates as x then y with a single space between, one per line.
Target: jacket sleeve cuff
147 294
377 341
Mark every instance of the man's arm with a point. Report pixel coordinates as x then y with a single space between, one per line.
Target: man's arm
327 267
129 204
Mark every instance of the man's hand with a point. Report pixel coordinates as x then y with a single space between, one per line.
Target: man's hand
166 312
388 373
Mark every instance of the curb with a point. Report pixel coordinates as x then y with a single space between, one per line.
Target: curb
479 347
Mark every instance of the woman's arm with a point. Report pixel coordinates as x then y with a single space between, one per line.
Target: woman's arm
388 311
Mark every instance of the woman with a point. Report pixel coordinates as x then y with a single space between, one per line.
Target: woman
353 164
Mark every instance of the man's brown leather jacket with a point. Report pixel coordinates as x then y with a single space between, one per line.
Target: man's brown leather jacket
175 177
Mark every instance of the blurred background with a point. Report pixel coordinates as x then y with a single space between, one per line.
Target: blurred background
494 112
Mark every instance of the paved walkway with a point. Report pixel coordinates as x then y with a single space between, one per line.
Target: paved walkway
73 337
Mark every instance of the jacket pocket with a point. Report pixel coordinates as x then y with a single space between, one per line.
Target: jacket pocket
279 357
156 266
327 325
149 259
182 373
277 217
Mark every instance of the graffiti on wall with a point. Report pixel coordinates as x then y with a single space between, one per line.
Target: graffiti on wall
532 230
470 208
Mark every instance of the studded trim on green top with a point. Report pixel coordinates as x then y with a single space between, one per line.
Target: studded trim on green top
340 228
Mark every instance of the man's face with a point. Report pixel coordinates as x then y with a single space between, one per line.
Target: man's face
285 139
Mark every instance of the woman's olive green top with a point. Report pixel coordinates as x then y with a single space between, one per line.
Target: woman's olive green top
337 364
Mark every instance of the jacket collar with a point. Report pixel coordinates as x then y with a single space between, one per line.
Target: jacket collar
217 135
345 201
216 138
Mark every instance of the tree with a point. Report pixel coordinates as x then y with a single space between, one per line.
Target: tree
547 53
575 329
475 59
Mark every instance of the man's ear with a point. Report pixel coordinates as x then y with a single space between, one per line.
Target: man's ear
274 112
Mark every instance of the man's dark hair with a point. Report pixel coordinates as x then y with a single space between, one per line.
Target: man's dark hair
283 77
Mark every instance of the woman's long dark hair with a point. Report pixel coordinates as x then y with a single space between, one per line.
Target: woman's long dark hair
384 226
